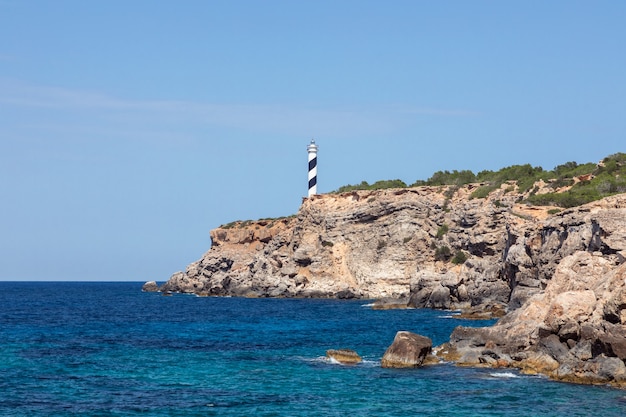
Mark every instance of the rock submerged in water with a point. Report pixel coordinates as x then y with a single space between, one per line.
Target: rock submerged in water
344 356
390 304
150 286
408 350
483 312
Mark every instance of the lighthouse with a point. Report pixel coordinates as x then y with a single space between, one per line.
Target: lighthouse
312 149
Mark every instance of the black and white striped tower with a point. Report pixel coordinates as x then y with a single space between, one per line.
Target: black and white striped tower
312 149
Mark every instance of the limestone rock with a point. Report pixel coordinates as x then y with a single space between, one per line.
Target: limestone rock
484 312
150 286
344 356
562 332
408 350
387 244
391 304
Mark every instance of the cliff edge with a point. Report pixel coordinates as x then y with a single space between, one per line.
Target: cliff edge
433 246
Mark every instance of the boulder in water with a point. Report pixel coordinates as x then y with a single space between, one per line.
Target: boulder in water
150 286
408 350
344 356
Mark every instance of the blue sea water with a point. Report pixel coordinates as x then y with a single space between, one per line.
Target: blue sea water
108 349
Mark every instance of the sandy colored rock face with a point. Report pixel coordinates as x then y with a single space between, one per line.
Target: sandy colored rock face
401 244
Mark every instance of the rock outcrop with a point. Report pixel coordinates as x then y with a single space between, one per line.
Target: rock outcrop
575 330
408 350
433 246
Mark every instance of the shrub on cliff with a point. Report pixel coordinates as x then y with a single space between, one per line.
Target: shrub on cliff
483 192
449 178
443 229
607 178
442 253
347 188
572 169
378 185
459 257
525 175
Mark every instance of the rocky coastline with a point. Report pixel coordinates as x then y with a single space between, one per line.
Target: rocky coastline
555 277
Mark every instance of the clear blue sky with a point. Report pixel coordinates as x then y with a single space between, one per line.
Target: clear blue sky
129 129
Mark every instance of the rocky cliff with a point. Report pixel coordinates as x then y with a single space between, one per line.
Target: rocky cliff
366 244
573 331
558 274
434 246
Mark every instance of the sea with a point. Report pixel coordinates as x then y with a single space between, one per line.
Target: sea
109 349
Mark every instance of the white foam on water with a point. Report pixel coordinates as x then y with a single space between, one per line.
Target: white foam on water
317 359
369 363
333 361
504 375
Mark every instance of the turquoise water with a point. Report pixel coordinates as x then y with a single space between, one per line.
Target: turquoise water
107 349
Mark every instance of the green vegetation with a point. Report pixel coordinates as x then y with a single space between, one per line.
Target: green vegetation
525 175
483 192
572 169
459 258
378 185
448 178
448 195
606 179
443 229
588 181
442 253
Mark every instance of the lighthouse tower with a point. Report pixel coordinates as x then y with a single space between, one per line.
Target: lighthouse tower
312 149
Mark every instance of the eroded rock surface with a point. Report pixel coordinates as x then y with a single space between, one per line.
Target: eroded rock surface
405 244
573 331
344 356
408 350
150 286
